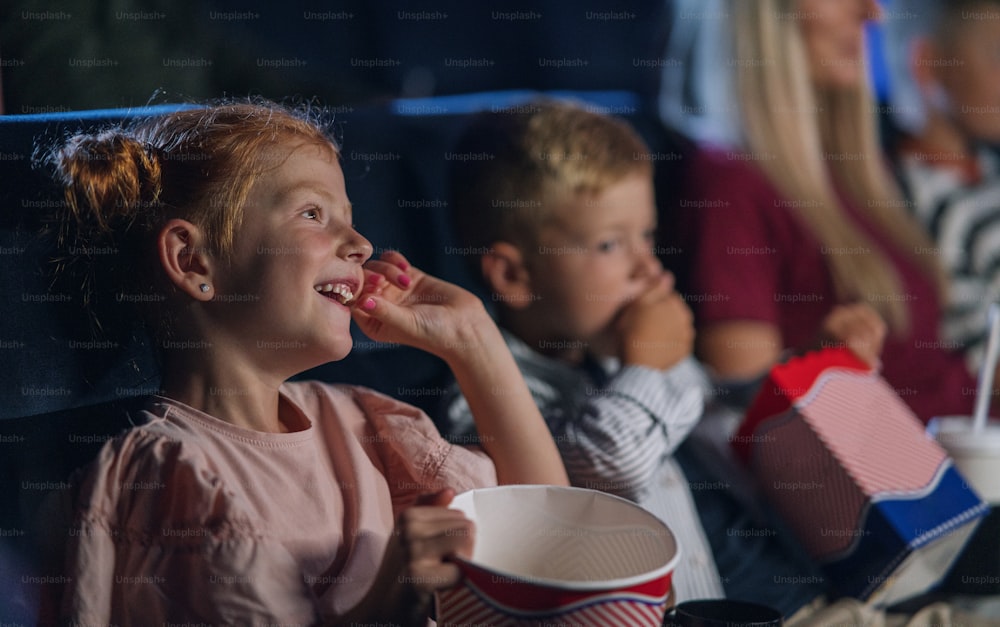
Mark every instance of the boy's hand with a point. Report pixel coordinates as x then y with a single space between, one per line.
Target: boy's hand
402 304
657 329
857 326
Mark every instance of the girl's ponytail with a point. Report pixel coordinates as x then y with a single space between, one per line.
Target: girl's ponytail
109 179
111 183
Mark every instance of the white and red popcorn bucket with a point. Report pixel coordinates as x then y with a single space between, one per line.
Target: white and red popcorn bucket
546 554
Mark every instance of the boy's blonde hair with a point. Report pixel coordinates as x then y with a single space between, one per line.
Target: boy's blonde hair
511 167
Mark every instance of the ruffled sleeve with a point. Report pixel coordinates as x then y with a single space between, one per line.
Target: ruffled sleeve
158 537
415 458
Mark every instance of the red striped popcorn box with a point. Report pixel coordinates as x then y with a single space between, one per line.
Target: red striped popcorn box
548 555
853 473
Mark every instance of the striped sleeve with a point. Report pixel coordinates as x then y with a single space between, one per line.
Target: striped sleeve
618 440
964 223
968 235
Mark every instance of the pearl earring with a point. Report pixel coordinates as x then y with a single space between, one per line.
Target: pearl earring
204 287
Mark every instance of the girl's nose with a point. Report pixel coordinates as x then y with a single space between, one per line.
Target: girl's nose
356 247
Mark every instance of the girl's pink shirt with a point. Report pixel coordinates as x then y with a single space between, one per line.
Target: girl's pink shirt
191 519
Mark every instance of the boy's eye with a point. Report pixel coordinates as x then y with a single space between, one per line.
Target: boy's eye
312 213
608 245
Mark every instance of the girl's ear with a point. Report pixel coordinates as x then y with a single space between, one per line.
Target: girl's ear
184 257
506 273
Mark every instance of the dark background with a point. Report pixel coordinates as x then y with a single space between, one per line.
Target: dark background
100 53
63 395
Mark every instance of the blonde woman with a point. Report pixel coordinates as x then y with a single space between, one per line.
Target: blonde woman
789 219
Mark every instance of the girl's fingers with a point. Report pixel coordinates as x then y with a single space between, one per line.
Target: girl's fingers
374 308
432 534
441 498
422 521
437 576
391 273
447 542
395 258
374 283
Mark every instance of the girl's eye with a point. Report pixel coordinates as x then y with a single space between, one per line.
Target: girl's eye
312 213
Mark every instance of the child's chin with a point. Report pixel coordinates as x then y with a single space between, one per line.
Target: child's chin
338 352
605 335
317 355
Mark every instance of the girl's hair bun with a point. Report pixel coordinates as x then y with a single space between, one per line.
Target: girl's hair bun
109 178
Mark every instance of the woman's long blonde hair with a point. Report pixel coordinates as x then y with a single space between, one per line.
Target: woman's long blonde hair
810 143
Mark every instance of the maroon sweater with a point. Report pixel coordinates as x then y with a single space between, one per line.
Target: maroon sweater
750 257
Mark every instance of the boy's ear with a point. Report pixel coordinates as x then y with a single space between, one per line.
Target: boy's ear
923 56
506 273
183 254
927 73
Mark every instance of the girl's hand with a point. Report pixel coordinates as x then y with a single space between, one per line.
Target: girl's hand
402 304
413 308
416 563
857 326
426 536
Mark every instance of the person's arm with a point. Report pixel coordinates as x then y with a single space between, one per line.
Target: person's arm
613 438
510 427
452 323
740 349
620 435
622 432
734 259
745 350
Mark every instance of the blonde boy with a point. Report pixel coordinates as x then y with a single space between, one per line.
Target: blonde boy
558 206
561 208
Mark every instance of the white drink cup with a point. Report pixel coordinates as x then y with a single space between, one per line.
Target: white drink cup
976 453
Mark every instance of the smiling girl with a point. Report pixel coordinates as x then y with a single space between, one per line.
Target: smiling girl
241 498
